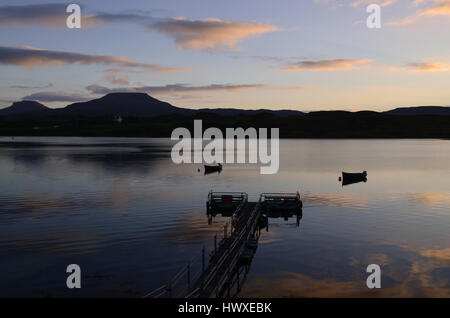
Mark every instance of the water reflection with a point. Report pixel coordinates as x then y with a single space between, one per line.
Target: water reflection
132 218
108 158
421 276
285 215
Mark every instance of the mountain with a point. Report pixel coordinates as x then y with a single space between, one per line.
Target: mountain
420 110
124 104
143 105
248 112
146 116
25 108
130 104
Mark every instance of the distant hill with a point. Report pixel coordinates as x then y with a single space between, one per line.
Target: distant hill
129 105
25 108
145 116
143 105
247 112
124 104
420 110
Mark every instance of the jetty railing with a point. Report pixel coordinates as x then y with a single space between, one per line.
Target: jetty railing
206 276
279 196
225 201
229 257
280 201
182 284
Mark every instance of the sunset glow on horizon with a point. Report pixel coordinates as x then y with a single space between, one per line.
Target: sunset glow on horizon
300 55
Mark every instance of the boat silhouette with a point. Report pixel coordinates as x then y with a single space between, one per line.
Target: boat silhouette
212 169
351 177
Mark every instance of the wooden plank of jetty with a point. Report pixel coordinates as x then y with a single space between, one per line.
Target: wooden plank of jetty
224 261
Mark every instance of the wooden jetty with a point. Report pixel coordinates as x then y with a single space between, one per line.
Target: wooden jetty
237 245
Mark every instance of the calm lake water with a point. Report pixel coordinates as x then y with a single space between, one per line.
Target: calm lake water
131 218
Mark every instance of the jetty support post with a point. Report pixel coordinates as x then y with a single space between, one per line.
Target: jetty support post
215 244
203 259
168 290
237 273
189 276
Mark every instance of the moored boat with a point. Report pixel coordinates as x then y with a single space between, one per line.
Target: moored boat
211 169
351 177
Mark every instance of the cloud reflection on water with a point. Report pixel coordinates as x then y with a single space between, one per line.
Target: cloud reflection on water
419 280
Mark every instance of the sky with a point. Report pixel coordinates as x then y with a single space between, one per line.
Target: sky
286 54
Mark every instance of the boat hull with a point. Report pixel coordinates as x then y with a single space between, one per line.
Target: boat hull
212 169
350 178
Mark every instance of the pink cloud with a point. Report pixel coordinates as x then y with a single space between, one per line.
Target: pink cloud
173 88
422 67
437 8
326 65
209 34
381 3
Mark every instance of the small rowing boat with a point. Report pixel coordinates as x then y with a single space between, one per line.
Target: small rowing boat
350 177
211 169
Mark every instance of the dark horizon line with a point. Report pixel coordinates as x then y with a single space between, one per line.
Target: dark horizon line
390 108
